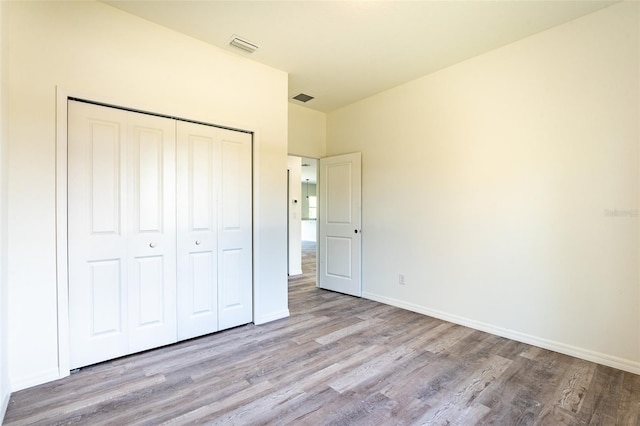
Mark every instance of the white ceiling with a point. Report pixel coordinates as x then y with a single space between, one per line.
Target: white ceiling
343 51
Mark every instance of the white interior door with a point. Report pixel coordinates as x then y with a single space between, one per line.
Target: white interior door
199 171
214 222
339 242
121 227
97 227
235 240
152 234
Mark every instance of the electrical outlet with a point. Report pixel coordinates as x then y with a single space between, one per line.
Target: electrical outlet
401 279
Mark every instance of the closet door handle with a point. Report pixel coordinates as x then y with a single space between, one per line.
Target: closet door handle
152 245
198 242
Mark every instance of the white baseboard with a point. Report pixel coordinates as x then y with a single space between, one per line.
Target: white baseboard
271 317
3 406
295 272
586 354
35 379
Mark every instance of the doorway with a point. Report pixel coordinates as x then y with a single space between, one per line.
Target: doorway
309 234
326 198
302 215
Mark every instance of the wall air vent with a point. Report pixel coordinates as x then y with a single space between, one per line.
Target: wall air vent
302 97
243 44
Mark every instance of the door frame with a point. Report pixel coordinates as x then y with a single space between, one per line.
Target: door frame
61 196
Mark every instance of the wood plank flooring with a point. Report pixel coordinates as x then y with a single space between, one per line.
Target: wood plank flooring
338 360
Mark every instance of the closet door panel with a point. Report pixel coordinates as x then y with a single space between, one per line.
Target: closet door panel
236 277
105 297
104 167
202 171
152 267
202 266
97 229
199 170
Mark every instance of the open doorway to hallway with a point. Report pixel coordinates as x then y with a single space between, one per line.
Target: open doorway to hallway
302 215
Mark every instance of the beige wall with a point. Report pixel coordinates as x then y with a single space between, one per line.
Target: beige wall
505 189
89 49
307 132
4 371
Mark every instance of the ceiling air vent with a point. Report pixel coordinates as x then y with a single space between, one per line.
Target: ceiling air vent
302 97
243 44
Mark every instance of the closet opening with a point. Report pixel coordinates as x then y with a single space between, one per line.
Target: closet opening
155 231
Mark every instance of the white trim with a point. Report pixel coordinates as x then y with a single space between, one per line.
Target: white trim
295 272
62 277
586 354
3 406
255 181
271 317
35 379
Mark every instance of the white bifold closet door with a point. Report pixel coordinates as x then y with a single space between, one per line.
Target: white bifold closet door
122 231
214 229
159 231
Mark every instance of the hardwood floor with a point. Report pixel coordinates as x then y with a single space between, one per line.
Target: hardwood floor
338 360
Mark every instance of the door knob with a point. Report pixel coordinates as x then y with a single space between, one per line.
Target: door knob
198 242
152 245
